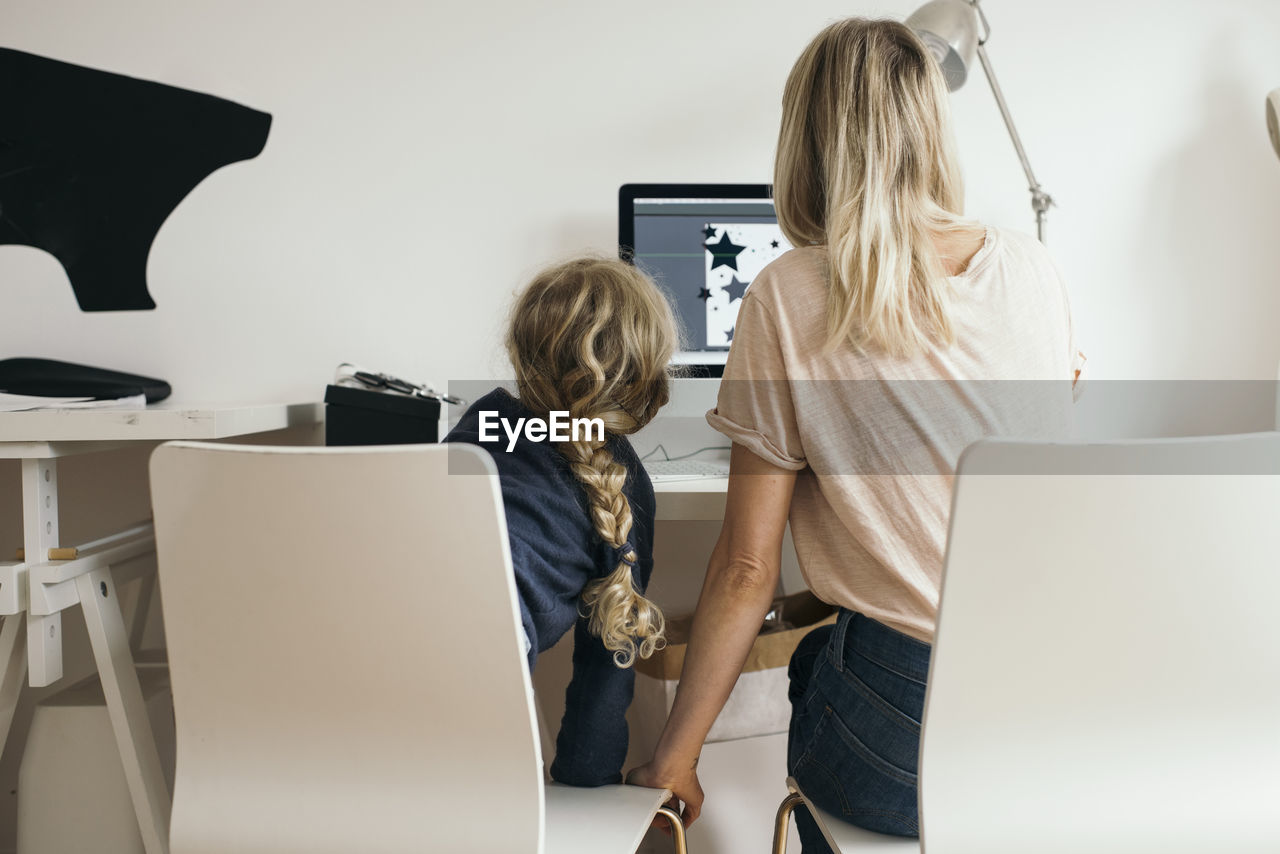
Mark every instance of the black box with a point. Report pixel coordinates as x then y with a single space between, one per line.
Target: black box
357 416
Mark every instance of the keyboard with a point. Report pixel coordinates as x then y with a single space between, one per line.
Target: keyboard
668 470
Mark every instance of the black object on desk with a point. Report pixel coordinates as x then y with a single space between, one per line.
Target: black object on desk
51 378
358 416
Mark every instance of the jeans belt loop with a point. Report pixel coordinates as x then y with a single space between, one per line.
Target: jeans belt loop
837 637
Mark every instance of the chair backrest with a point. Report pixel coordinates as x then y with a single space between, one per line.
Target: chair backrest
345 652
1106 671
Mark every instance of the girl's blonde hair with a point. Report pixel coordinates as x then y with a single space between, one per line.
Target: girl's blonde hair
866 166
593 337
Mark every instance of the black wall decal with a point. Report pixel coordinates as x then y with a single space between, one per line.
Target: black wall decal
92 163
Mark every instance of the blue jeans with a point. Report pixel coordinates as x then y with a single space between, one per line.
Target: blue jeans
857 697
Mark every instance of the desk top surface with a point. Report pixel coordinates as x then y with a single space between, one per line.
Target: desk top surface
692 484
48 432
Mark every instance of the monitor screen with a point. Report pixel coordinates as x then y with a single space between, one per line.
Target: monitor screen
703 244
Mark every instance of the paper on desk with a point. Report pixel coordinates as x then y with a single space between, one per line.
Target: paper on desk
20 402
137 401
25 402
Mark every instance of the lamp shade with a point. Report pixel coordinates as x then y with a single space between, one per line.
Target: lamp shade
1273 119
949 29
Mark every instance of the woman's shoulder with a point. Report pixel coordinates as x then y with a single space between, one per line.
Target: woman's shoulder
1025 268
798 268
1011 242
791 292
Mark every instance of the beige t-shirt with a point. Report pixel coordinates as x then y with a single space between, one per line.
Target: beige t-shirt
876 439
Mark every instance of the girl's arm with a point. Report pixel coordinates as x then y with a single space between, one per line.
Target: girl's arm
592 743
741 582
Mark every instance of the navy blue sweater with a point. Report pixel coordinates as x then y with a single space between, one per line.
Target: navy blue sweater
556 551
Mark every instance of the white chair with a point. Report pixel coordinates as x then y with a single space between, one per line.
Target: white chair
840 835
347 663
1106 669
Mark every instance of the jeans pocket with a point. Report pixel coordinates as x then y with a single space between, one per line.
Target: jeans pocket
888 708
843 774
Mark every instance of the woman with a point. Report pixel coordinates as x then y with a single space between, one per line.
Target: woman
591 338
862 364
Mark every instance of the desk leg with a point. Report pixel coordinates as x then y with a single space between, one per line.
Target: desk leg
125 705
39 534
13 658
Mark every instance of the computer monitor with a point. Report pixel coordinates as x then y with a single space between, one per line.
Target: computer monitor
703 244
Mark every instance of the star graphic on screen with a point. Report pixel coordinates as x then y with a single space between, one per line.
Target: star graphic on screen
704 294
772 243
709 231
729 333
724 253
736 289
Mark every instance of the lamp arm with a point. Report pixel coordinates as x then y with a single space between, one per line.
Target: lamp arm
1040 200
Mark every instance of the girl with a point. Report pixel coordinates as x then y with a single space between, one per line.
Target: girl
592 338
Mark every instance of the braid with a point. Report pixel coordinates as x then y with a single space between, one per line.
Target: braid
626 622
603 477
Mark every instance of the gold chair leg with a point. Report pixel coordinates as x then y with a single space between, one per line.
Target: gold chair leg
780 824
677 828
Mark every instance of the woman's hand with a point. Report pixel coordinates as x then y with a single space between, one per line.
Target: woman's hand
683 783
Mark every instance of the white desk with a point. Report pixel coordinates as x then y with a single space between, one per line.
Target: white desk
60 432
39 589
695 500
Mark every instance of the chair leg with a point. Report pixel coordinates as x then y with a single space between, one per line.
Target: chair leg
677 828
781 823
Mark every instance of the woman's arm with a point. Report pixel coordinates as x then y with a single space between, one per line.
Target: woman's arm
741 581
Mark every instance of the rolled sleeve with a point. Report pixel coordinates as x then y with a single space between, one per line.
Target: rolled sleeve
754 441
755 407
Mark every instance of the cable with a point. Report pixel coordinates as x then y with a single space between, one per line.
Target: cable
667 456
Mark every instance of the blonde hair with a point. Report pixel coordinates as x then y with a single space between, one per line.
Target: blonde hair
866 166
593 337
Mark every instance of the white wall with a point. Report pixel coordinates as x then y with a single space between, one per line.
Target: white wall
426 157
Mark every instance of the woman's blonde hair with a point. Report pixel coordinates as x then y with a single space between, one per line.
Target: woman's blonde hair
866 167
593 336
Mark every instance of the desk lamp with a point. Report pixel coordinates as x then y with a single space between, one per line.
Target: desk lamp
949 28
